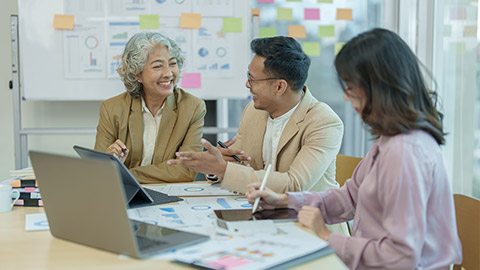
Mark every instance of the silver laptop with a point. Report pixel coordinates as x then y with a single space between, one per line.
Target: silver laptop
85 203
135 194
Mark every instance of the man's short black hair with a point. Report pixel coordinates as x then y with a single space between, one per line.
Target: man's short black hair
284 59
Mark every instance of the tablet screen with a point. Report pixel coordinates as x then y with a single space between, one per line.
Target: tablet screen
246 214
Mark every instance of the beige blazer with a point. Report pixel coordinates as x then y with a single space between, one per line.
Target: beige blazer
180 130
305 158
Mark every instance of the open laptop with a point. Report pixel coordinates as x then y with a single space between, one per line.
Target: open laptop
135 194
84 202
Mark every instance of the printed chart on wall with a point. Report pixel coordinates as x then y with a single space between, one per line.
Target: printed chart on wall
73 48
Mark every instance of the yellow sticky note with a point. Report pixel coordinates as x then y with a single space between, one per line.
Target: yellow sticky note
470 31
338 47
191 20
285 14
326 31
297 31
150 21
256 12
232 25
325 1
267 32
63 21
311 48
344 14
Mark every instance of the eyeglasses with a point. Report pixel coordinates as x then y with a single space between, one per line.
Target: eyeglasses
250 80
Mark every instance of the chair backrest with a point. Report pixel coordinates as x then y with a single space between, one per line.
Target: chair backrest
467 210
344 167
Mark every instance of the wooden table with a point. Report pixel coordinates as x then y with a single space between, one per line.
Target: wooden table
40 250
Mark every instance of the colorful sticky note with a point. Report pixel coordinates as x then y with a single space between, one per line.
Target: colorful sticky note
297 31
285 14
294 0
232 25
325 1
256 12
63 21
191 20
447 30
338 47
267 32
458 48
150 21
326 31
344 14
458 13
266 1
311 48
191 80
312 14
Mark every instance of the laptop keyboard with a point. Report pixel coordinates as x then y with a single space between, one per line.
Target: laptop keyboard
160 198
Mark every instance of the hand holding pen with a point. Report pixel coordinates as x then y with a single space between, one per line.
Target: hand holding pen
119 149
231 154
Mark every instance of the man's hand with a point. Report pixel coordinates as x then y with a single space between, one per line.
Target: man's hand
229 153
207 162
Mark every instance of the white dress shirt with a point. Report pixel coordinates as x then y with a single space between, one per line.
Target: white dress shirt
272 136
150 132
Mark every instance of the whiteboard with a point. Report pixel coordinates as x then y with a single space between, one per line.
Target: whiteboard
53 64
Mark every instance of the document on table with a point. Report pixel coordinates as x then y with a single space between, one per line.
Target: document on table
192 189
36 222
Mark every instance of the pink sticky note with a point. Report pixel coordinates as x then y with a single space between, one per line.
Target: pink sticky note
191 80
29 189
266 1
312 14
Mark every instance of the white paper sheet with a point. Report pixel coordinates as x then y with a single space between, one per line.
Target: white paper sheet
193 189
36 222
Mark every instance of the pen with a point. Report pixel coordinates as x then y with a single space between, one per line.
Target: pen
224 146
262 187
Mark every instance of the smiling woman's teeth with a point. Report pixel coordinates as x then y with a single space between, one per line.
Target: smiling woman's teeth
165 83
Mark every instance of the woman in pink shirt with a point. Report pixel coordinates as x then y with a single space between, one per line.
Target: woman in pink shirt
399 194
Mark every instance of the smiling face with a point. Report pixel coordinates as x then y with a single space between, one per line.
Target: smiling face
160 73
356 95
261 86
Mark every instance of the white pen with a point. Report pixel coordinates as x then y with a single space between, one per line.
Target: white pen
262 187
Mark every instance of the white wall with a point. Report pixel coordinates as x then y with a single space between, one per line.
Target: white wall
37 114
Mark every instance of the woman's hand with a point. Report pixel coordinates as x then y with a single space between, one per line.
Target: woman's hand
119 149
268 198
312 218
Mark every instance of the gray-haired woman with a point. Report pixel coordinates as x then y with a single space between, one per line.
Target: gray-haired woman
153 119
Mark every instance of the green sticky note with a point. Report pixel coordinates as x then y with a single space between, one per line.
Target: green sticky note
267 32
338 47
458 48
326 31
325 1
285 14
149 21
232 25
311 48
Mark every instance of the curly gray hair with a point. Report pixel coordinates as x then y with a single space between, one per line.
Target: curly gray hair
135 56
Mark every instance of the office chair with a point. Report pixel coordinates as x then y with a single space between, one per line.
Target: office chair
467 210
344 167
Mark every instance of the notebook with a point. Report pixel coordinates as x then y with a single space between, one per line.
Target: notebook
93 212
136 195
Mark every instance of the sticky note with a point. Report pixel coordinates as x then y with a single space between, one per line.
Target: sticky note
191 80
325 1
470 31
63 21
256 12
326 31
191 20
311 48
285 14
338 47
458 48
267 32
232 25
150 21
458 13
265 1
311 14
344 14
294 0
297 31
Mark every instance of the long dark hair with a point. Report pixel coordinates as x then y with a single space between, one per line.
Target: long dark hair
398 101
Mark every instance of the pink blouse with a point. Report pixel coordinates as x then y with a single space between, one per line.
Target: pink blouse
400 198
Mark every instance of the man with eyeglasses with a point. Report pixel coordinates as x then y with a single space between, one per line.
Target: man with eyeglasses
284 125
